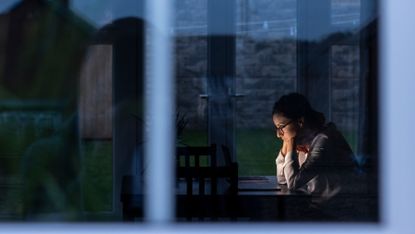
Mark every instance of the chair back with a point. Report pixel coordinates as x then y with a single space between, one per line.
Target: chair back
197 169
197 164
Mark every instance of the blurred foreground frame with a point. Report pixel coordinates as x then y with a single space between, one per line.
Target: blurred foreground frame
44 44
70 98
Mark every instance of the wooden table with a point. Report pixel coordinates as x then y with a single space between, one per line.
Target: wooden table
258 199
263 199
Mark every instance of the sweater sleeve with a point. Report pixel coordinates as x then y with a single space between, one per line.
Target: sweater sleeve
311 167
287 168
291 168
279 161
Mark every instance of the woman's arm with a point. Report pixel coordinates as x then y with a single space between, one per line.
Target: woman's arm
298 177
291 168
287 163
279 161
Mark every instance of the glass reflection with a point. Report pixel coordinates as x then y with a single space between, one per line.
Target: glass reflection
323 49
71 96
71 99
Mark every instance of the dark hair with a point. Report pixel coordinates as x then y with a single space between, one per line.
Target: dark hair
295 106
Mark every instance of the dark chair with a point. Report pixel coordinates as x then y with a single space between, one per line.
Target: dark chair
205 190
233 170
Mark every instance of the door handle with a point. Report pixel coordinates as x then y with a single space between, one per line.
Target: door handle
236 95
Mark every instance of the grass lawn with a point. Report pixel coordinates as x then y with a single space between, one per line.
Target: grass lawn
256 149
97 178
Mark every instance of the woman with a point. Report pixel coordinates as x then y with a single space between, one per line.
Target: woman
314 156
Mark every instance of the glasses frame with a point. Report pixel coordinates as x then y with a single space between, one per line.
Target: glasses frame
281 128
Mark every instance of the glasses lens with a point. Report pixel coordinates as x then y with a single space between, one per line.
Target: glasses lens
280 130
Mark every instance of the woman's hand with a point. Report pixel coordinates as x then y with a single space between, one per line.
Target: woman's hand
284 149
288 145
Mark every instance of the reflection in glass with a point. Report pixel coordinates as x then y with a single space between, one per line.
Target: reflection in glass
43 46
322 49
71 101
191 69
70 98
345 91
345 13
265 69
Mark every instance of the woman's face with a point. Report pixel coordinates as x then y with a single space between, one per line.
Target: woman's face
285 128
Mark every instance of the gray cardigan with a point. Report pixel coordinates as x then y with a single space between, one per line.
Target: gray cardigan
327 170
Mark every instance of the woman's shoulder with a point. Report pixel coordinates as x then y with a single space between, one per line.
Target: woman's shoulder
330 130
329 127
331 138
327 134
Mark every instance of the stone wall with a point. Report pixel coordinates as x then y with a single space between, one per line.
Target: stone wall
191 70
345 86
266 63
266 69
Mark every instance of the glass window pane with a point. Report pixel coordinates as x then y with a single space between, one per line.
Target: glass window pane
191 68
263 50
345 91
265 69
72 114
345 13
71 121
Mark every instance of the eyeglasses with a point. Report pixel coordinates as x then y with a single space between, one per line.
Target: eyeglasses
280 128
